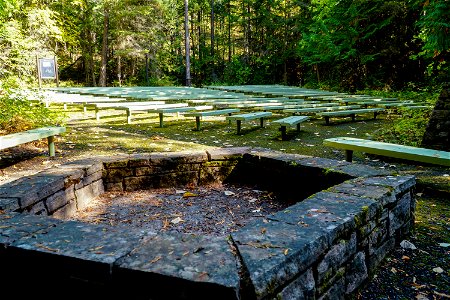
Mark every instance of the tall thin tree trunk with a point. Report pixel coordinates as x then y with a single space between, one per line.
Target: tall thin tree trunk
187 43
213 74
104 58
119 70
229 30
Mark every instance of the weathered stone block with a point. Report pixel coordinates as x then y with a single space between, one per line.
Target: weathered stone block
275 252
9 204
114 187
137 183
117 175
87 193
59 199
227 153
356 273
37 209
205 267
335 258
400 214
89 179
117 163
302 288
336 292
66 211
379 253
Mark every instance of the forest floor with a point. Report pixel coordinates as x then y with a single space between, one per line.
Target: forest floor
420 273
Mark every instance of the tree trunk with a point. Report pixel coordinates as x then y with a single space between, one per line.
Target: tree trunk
119 70
213 74
187 45
104 58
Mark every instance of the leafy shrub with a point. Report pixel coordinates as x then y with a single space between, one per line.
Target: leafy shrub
17 113
406 130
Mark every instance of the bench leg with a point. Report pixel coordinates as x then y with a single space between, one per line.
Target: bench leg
97 114
51 145
84 108
349 155
229 121
65 106
353 117
283 133
298 127
161 120
375 115
128 116
238 124
327 120
261 122
197 123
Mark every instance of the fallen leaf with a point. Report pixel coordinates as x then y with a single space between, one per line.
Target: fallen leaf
189 194
179 192
176 220
228 193
445 245
263 230
286 251
438 270
394 270
155 259
404 257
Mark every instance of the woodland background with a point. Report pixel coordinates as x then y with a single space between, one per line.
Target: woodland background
334 44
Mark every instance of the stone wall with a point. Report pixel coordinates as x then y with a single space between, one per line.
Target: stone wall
345 219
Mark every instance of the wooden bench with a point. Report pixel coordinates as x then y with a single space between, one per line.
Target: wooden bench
313 110
248 117
200 114
15 139
350 113
177 110
386 149
290 121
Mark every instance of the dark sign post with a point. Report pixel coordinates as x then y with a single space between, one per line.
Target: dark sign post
47 69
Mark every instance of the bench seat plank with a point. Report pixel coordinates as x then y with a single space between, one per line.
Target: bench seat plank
247 117
391 150
15 139
208 113
290 121
351 113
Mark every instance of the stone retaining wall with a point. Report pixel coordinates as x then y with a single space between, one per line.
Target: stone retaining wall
321 247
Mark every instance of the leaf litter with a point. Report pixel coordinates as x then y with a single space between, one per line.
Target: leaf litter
214 210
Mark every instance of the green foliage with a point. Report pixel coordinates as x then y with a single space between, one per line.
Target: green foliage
408 129
18 114
237 72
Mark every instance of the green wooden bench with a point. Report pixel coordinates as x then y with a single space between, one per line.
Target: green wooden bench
200 114
350 113
290 121
15 139
386 149
248 117
313 110
178 110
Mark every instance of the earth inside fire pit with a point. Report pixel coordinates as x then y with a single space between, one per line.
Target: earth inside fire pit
213 209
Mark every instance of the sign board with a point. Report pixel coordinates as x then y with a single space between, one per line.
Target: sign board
47 68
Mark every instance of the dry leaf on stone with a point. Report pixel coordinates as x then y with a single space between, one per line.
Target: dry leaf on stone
189 194
176 220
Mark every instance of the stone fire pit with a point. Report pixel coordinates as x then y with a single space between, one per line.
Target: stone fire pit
343 220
